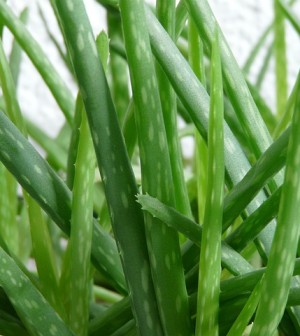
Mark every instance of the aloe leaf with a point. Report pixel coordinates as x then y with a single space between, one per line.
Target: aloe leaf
119 69
128 329
35 312
210 255
115 168
8 210
196 59
278 275
58 88
196 100
264 109
280 59
9 93
257 47
165 11
10 326
56 155
129 129
168 215
42 248
81 232
16 51
41 182
73 146
289 15
106 295
246 282
266 166
181 17
287 116
234 80
250 228
264 67
163 244
55 41
43 254
247 312
112 319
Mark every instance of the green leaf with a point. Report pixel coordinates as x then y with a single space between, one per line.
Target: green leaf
42 183
113 162
168 215
81 232
162 241
58 88
165 10
280 266
210 255
280 59
35 312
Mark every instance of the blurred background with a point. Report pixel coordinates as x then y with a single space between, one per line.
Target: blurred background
241 21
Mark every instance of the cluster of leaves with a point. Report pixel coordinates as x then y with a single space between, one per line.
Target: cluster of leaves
154 245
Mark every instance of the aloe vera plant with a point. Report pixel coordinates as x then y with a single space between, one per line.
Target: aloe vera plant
113 231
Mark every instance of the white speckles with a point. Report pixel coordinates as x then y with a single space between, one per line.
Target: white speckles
6 155
134 31
149 322
179 76
153 261
280 272
19 143
100 249
27 304
153 105
151 132
96 138
80 42
272 305
144 95
138 52
37 169
70 5
10 134
146 307
168 262
92 43
297 157
162 141
25 179
124 200
111 260
34 304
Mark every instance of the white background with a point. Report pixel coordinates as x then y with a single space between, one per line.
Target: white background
242 22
